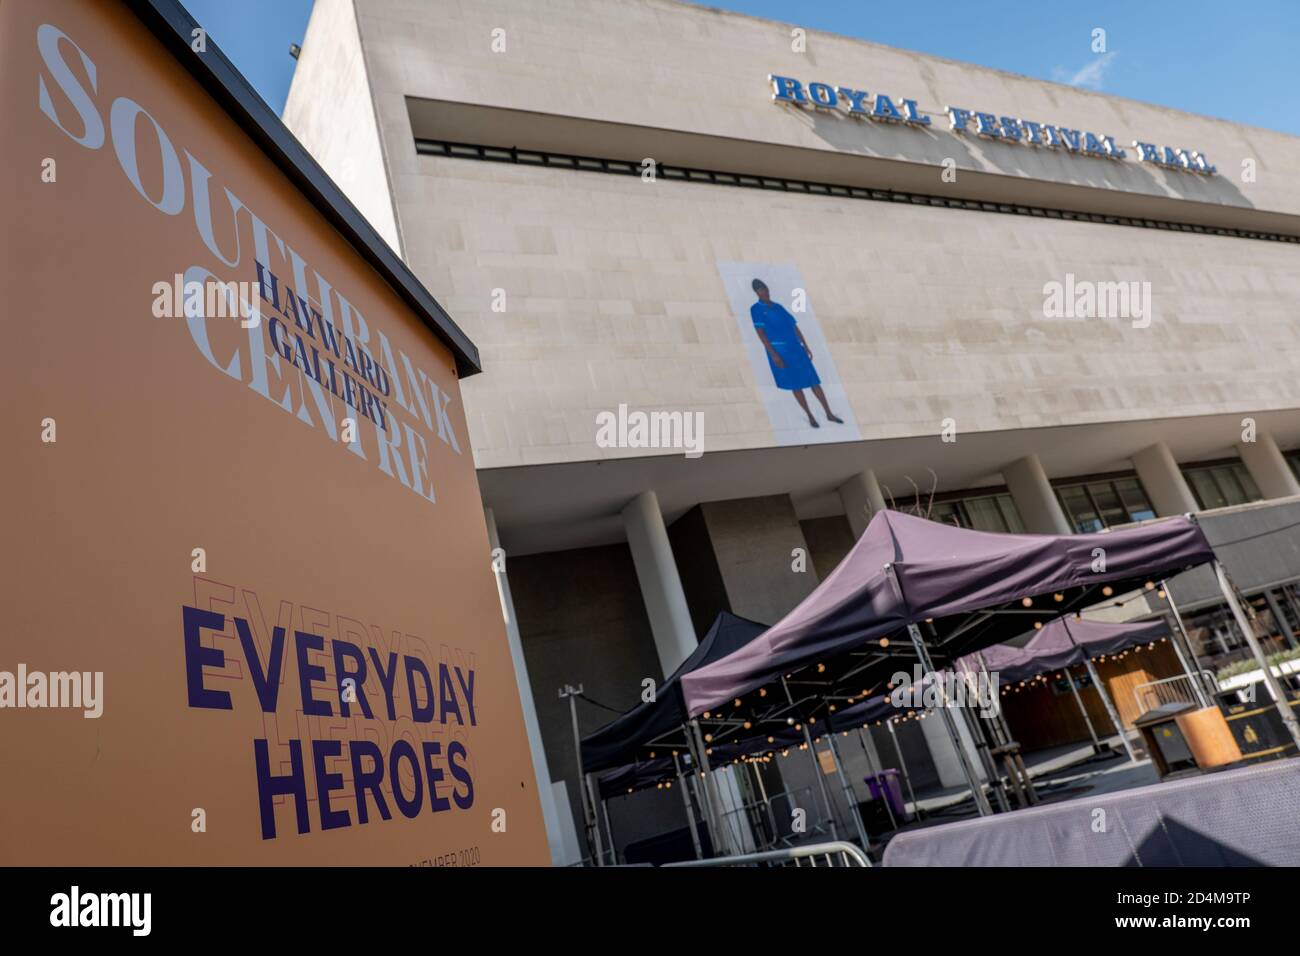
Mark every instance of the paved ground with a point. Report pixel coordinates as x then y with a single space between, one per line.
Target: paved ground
1061 773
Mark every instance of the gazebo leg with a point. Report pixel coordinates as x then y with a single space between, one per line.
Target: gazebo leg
1274 685
927 668
1110 708
690 811
1074 689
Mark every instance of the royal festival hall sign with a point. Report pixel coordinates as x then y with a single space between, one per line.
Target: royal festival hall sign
882 108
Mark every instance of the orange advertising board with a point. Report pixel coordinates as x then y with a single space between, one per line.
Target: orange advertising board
250 616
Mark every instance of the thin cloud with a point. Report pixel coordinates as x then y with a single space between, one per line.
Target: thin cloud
1090 76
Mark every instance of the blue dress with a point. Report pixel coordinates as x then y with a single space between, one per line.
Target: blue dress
782 332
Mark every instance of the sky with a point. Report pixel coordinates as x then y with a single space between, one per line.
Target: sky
1234 61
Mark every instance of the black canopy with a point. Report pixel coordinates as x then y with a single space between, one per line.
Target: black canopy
618 743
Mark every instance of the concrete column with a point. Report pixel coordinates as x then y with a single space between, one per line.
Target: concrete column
1034 497
545 790
1263 459
661 586
1164 482
862 499
1168 489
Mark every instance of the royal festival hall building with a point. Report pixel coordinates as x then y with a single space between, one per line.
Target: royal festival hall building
737 287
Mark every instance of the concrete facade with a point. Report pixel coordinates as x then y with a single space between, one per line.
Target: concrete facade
589 292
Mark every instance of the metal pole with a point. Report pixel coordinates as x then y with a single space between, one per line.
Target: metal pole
595 822
695 780
880 777
702 794
983 748
1274 685
690 811
982 806
902 765
1283 626
1110 708
1000 724
767 804
1101 692
817 767
711 790
855 811
1197 679
821 783
572 693
609 829
1074 689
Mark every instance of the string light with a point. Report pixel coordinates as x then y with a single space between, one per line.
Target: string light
1027 602
1108 590
1058 597
884 642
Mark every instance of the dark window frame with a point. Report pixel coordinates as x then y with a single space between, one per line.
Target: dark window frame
1208 467
1082 482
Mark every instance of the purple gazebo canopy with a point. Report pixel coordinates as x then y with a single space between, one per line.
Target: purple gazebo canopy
905 570
1062 643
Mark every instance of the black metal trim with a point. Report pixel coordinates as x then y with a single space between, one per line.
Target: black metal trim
686 174
173 26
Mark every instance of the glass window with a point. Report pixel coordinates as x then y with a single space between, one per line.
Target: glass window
1080 509
1218 486
1109 507
1206 489
1105 502
946 512
1010 516
981 513
984 514
1135 499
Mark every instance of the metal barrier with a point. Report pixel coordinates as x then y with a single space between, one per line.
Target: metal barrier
1170 690
848 855
795 799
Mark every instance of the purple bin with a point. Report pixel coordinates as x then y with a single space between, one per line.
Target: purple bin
885 786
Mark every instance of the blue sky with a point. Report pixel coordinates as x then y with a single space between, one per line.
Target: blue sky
1236 61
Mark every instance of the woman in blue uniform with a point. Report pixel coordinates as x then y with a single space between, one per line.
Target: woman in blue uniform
787 352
